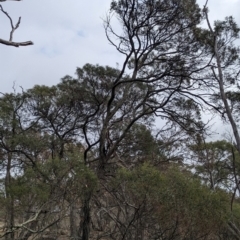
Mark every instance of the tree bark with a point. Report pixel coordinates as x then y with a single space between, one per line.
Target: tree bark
73 219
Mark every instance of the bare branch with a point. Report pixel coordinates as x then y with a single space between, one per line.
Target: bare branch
9 0
15 44
10 42
24 225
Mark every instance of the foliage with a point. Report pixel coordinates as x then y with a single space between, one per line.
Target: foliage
178 205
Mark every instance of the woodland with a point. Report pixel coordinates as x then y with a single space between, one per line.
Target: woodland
83 159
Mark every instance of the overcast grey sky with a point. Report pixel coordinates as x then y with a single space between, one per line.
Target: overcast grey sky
66 34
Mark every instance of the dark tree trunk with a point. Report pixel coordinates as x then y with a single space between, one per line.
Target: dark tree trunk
10 201
84 230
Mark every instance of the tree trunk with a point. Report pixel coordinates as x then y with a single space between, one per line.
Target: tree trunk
84 229
10 201
73 220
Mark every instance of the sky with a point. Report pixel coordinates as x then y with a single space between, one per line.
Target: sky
67 34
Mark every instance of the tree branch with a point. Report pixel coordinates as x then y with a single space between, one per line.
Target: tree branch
9 0
10 42
15 44
23 225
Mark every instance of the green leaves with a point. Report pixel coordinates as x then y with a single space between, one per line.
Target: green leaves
174 198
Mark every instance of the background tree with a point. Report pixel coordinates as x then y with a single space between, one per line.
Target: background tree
214 164
225 67
224 71
150 203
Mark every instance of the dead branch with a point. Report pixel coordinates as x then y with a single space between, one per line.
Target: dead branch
15 44
9 0
13 28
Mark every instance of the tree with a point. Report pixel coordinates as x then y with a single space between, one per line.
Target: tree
15 146
10 108
45 175
225 68
214 164
138 146
224 73
162 51
10 42
149 203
